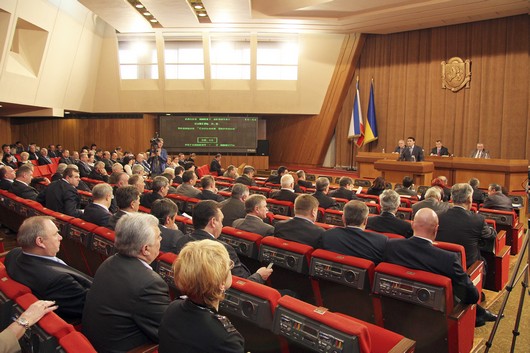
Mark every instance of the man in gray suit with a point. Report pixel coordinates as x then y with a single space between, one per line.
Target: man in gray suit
256 208
433 200
496 200
234 207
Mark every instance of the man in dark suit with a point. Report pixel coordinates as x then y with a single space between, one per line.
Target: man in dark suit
496 200
248 176
98 212
61 195
301 228
65 158
32 150
387 222
439 149
407 187
125 305
345 190
353 240
128 200
208 224
209 191
35 265
82 164
179 171
43 157
256 208
321 194
7 176
215 165
302 180
275 179
286 193
21 185
480 152
412 153
234 207
433 200
160 187
173 240
99 172
478 195
400 147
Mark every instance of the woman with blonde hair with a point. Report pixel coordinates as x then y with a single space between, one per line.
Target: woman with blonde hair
202 274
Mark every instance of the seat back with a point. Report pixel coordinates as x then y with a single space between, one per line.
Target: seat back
260 190
164 267
340 202
179 200
309 328
368 198
250 306
280 207
362 182
190 205
246 245
185 224
9 291
373 208
76 342
103 241
502 218
345 283
333 217
404 213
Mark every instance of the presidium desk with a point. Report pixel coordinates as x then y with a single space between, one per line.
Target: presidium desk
511 173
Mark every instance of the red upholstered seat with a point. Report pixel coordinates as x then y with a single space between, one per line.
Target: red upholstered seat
179 200
368 198
190 205
144 209
11 288
260 190
341 202
280 207
389 235
246 244
333 217
76 342
164 267
404 213
373 208
508 221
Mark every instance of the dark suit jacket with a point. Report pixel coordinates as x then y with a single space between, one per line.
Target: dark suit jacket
460 226
274 179
443 151
96 176
325 201
210 195
245 180
485 154
253 224
96 214
188 327
173 240
399 149
386 222
111 224
44 160
66 160
5 184
419 254
417 152
232 209
478 196
125 305
178 180
343 193
305 183
498 201
147 200
62 197
84 169
284 195
355 242
239 269
215 166
301 231
23 190
438 207
50 280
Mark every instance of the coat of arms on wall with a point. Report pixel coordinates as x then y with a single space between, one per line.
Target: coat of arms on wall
456 74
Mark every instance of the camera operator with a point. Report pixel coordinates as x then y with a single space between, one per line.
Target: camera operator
157 157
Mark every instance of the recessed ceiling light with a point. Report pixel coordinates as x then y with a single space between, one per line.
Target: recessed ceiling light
153 20
202 14
198 7
147 14
139 6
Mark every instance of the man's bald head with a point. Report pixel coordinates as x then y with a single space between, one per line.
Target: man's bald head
425 224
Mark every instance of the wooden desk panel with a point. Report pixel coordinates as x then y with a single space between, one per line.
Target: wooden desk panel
394 171
258 162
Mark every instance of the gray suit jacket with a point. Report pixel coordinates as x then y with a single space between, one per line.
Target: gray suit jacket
253 224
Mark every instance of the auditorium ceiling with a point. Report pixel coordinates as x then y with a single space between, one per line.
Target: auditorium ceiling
328 16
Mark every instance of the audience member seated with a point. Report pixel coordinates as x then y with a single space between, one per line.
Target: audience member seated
400 147
66 159
286 193
302 180
179 171
128 162
44 159
248 176
7 176
138 169
480 152
439 149
173 239
82 186
276 179
234 207
8 158
128 200
387 222
99 172
322 189
108 161
443 184
231 172
98 212
208 224
256 208
353 240
215 165
478 195
202 273
117 169
209 191
496 200
301 228
169 174
419 253
432 200
140 159
35 265
61 167
32 150
84 167
125 305
11 334
345 190
187 188
378 186
62 196
160 186
407 187
138 182
24 159
21 185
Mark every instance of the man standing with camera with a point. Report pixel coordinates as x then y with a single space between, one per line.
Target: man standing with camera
157 156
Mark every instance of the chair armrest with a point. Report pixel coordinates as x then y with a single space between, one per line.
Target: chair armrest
404 346
459 311
145 348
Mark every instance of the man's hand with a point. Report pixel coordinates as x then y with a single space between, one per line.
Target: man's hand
264 272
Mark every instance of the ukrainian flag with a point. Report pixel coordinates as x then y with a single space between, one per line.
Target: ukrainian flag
370 130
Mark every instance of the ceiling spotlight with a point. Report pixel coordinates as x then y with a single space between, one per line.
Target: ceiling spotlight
147 14
201 14
198 7
153 20
139 6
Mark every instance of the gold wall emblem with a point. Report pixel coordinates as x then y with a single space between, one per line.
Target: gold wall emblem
456 74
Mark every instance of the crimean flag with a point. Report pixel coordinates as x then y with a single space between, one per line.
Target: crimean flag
370 133
356 130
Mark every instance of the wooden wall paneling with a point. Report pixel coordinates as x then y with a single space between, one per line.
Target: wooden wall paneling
5 131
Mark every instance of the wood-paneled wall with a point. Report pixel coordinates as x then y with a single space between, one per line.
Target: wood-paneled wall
410 101
5 131
130 134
